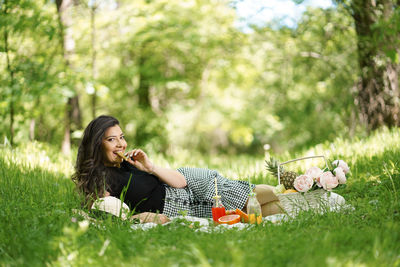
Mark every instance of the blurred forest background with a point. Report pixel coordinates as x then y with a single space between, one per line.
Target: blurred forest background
179 75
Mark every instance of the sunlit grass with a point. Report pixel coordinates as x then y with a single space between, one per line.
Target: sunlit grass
33 155
38 227
39 155
368 148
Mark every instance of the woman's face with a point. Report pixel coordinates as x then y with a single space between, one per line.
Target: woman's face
113 142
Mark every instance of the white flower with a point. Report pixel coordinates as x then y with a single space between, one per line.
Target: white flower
340 175
328 180
303 183
315 173
341 164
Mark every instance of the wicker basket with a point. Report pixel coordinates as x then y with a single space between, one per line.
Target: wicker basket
293 203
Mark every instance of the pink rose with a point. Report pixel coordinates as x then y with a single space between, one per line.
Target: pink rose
328 180
340 175
315 173
341 164
303 183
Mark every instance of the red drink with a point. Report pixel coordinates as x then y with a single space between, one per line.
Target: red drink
217 212
218 209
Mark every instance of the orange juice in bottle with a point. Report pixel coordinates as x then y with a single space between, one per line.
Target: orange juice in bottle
254 209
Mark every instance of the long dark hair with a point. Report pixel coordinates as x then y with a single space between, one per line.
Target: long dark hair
90 172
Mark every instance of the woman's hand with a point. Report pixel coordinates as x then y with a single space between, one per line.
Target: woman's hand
140 160
173 178
146 217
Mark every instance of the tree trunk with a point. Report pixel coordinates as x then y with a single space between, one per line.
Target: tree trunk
11 72
72 110
32 126
144 133
144 87
378 89
94 54
66 144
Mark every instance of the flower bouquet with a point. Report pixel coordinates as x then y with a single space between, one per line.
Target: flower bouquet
311 190
328 178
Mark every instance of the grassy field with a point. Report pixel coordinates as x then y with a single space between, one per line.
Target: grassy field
37 225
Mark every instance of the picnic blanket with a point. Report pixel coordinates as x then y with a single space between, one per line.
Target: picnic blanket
115 207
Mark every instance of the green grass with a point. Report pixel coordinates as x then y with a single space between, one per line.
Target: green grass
37 226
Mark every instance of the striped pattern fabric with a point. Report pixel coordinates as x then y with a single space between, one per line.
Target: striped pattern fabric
197 197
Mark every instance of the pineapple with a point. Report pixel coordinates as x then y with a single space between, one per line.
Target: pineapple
287 177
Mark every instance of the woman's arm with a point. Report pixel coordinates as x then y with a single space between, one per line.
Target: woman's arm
170 177
140 160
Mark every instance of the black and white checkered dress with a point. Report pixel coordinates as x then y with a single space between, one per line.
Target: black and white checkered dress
197 197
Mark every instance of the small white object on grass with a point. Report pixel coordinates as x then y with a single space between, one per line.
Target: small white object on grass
112 205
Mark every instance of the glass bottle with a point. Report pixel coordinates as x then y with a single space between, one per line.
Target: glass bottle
254 209
218 210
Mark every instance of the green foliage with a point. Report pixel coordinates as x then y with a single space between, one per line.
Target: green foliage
179 75
166 52
30 77
310 93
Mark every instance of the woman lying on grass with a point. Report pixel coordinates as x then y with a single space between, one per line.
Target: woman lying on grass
154 191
